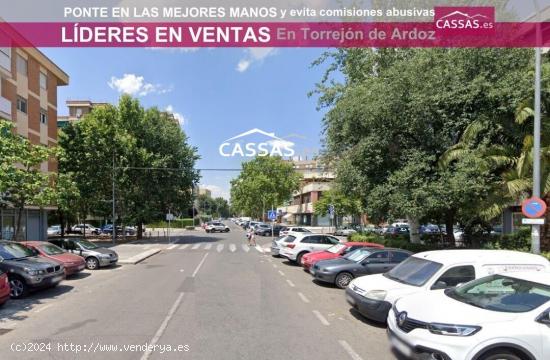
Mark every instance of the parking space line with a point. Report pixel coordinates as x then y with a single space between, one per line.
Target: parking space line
207 246
196 246
219 248
172 247
290 283
246 248
232 247
321 318
43 308
275 266
281 273
259 248
199 266
303 297
183 247
162 327
349 350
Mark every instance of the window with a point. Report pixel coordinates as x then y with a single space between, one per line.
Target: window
380 257
6 51
457 275
313 239
331 240
78 112
21 65
414 271
22 105
398 256
43 116
43 81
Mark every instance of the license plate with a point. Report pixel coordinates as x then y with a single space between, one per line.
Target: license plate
350 300
400 346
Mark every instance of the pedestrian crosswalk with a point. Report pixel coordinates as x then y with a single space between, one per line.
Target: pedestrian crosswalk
232 248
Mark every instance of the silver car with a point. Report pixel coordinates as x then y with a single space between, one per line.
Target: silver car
94 255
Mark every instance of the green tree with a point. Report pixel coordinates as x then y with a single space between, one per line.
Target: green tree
343 205
264 182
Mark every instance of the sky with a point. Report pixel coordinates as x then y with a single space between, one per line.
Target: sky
216 94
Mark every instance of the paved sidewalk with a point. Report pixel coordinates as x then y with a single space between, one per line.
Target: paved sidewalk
135 253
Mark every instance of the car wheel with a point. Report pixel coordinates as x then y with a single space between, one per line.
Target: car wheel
343 279
226 230
501 354
92 263
18 287
299 257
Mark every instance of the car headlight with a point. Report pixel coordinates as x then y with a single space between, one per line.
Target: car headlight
376 294
34 272
453 330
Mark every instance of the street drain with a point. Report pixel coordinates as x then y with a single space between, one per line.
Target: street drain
5 331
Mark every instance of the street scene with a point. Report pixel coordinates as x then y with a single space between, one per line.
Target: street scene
243 193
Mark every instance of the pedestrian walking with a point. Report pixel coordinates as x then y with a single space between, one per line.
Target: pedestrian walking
251 237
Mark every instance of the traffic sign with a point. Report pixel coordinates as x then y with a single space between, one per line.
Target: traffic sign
331 209
170 217
527 221
272 215
533 207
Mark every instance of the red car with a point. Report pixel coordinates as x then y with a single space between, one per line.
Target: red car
4 288
72 263
336 251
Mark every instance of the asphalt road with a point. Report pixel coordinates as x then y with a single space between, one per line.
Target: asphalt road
208 296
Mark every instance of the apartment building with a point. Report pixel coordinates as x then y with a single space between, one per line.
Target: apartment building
28 98
316 180
77 109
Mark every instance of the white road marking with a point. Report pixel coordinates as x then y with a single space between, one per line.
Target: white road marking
281 273
349 350
303 297
246 248
162 327
183 247
219 248
207 246
321 318
196 246
43 308
200 264
172 247
259 248
182 270
290 283
274 266
232 247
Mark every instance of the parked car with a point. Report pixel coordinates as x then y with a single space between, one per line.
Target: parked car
267 229
27 271
276 245
54 230
334 252
501 316
108 229
364 261
396 231
95 256
71 262
90 229
290 229
374 295
344 231
216 227
296 245
4 288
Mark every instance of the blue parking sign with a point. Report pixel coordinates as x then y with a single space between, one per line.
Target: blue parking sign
272 215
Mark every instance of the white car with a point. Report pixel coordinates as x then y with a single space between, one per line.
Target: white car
344 232
216 227
294 229
276 245
498 317
373 295
297 245
90 229
54 230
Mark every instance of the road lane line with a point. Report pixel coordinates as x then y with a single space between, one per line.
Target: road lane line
162 327
219 248
259 248
281 273
245 247
207 246
196 246
232 247
172 247
183 247
290 283
321 318
350 350
200 264
303 297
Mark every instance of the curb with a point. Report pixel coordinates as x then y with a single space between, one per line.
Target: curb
139 257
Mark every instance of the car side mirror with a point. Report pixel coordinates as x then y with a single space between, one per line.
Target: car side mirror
544 318
439 285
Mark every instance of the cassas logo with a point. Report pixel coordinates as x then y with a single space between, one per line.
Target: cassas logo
474 20
272 146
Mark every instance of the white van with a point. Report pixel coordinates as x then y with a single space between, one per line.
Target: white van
374 295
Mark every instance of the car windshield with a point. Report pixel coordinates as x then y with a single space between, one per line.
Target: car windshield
358 255
414 271
502 293
51 249
87 244
336 248
14 251
290 239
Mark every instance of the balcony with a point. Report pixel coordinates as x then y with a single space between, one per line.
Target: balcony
5 108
